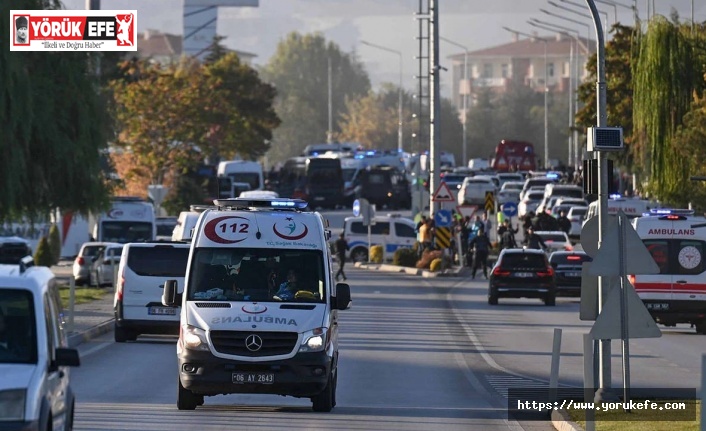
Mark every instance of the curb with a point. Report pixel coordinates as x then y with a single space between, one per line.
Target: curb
77 338
562 422
454 272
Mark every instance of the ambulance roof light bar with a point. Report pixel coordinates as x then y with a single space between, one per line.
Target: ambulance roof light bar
274 204
670 211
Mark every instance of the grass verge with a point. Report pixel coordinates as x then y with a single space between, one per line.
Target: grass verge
645 420
81 294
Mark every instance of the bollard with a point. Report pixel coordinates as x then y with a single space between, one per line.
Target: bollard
72 302
588 388
554 373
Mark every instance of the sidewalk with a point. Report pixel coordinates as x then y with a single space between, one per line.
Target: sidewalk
90 319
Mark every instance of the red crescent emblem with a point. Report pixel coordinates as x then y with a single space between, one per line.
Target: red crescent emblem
210 230
291 238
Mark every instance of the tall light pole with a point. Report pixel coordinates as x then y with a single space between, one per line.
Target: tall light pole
546 93
399 103
583 15
577 78
556 15
605 14
616 4
465 96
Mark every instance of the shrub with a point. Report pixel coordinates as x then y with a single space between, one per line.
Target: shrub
436 265
376 254
427 257
54 244
43 257
405 257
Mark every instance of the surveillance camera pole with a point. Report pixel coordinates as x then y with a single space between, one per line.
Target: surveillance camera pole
435 105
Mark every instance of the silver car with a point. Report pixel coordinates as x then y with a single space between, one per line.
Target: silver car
84 261
105 265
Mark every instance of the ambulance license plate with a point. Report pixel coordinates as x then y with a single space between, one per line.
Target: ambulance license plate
658 306
254 378
162 311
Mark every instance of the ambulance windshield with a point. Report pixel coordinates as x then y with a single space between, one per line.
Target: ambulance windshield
247 274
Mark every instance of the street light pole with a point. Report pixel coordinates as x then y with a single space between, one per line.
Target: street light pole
546 93
465 97
400 137
583 15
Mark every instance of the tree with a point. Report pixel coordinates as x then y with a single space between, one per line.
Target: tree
54 127
690 144
216 50
299 72
54 244
620 53
43 256
171 118
666 75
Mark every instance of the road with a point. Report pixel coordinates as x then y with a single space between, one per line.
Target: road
416 354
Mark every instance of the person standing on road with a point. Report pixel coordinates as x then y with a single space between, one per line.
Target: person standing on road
564 222
341 248
481 245
532 240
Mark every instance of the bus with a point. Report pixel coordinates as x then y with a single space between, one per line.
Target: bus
513 156
318 180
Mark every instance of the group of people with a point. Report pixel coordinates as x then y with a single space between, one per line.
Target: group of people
544 221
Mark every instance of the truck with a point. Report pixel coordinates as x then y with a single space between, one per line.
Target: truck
130 219
514 156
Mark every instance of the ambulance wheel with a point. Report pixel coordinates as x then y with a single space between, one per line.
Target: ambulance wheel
359 254
701 327
187 400
324 401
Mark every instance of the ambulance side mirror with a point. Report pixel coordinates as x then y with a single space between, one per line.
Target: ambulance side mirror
170 297
342 300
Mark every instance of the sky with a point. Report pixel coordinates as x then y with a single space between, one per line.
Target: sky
474 24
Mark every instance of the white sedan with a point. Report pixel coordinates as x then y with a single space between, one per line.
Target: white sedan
555 240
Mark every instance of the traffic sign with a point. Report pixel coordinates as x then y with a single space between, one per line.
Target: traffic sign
510 209
443 237
356 208
489 202
466 210
640 324
442 218
443 194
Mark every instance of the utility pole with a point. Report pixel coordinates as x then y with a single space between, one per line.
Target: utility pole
464 89
329 134
435 105
93 4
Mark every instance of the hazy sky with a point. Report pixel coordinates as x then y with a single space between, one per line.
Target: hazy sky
475 24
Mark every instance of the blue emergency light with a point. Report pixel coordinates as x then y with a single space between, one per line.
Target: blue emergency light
615 196
671 211
245 203
552 175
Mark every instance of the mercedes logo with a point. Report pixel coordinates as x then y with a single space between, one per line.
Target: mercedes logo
253 342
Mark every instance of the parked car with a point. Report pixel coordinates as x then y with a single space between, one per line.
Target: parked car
84 261
473 190
13 249
530 202
555 240
567 269
105 265
522 273
577 215
510 192
390 230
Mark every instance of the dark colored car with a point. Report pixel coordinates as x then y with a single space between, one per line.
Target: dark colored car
522 273
383 186
567 270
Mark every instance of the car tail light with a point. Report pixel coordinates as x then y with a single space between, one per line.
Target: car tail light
80 260
548 273
573 257
500 272
121 285
631 279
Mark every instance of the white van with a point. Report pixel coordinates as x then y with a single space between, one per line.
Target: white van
678 293
35 389
259 309
632 208
243 171
392 231
138 294
130 219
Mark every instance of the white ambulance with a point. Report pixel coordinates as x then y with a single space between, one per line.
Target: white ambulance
259 309
130 219
677 244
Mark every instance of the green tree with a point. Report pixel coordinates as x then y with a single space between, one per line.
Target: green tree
620 52
299 72
690 144
216 51
666 76
54 244
43 255
54 128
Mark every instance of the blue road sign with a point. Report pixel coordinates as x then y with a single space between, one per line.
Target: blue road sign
442 218
509 209
356 208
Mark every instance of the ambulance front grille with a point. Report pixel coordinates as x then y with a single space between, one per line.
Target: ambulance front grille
236 343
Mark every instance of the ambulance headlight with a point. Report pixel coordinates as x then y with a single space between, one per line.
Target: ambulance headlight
194 338
315 340
12 405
